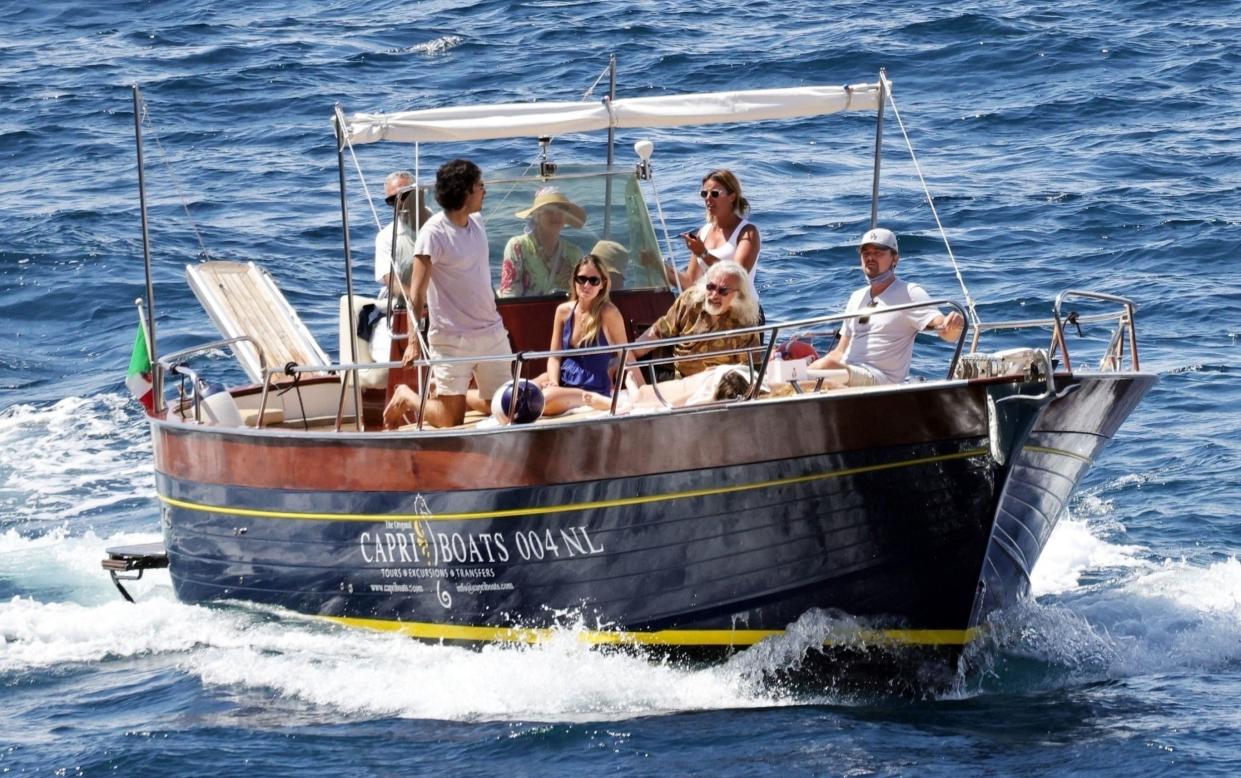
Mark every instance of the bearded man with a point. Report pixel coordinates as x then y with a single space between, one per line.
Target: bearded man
723 299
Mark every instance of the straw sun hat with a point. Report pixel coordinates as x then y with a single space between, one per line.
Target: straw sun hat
575 215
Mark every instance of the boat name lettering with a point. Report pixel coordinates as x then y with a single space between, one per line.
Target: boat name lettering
463 547
446 547
574 541
411 546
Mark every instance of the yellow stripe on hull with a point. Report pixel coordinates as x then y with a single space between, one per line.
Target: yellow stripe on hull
581 506
669 637
1060 451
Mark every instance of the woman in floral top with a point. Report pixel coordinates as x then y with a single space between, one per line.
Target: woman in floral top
539 261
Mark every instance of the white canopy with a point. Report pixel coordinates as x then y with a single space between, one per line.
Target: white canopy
519 120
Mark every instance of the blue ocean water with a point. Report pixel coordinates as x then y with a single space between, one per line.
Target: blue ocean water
1091 145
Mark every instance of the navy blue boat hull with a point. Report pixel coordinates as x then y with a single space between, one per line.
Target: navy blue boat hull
920 531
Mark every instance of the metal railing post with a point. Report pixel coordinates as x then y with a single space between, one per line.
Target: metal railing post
874 186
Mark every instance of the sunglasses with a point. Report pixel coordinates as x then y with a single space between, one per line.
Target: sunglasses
592 280
712 193
724 291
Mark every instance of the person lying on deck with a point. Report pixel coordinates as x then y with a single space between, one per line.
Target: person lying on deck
723 299
877 349
588 319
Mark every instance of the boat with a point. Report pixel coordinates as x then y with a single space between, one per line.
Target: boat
917 510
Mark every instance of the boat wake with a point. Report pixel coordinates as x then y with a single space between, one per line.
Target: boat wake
1105 611
82 458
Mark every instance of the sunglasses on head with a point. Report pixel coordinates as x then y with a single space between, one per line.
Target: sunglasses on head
712 193
592 280
723 290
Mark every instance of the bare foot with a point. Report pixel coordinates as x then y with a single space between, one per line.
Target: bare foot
596 401
401 408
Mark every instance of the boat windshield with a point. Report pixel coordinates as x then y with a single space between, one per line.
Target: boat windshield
540 227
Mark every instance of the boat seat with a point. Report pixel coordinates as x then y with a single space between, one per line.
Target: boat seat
373 378
242 299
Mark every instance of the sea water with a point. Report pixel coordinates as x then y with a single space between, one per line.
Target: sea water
1092 146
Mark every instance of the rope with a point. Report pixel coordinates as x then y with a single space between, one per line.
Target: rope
969 300
586 95
362 180
664 225
176 183
296 385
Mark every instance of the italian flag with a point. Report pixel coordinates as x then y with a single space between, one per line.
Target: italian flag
138 379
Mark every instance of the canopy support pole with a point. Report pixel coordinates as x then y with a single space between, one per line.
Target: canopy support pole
353 315
607 193
157 375
874 186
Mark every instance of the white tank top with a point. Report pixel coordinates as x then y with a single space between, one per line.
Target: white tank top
728 251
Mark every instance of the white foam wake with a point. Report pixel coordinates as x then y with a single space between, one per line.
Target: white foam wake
69 613
1107 609
78 456
342 673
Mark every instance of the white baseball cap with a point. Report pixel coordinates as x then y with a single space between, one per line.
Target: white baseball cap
880 237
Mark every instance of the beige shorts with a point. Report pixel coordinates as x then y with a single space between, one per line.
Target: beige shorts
454 379
860 376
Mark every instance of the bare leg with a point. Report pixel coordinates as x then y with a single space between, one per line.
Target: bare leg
558 399
443 411
446 410
476 402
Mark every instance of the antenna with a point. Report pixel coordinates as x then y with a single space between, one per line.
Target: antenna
547 168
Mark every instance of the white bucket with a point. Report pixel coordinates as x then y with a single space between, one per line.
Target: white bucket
219 407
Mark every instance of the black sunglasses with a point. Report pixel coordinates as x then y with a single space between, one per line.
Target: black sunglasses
712 193
723 290
592 280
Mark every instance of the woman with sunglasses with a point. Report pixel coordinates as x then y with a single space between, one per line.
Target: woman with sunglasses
727 235
588 319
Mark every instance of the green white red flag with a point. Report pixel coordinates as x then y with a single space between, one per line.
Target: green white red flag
138 379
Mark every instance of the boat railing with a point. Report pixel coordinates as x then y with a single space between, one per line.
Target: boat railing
1113 359
174 364
759 355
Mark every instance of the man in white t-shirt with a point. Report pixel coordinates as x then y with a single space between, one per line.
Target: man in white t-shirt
451 281
877 349
398 185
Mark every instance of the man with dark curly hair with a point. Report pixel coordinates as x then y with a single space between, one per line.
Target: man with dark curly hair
451 281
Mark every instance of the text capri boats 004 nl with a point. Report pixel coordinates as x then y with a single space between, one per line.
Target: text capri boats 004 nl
915 509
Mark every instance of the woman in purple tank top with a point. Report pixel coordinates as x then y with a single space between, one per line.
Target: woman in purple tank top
588 319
